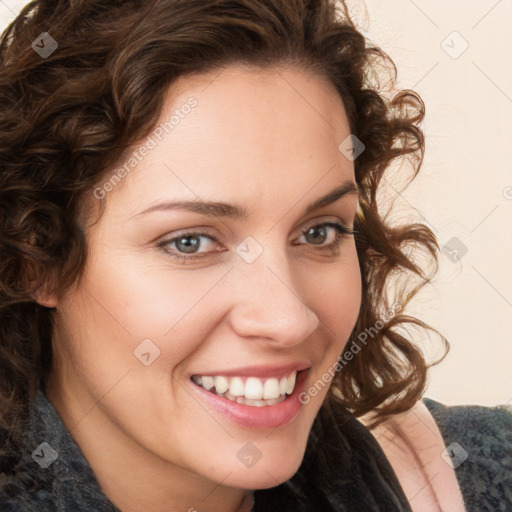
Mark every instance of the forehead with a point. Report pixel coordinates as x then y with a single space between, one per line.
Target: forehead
243 133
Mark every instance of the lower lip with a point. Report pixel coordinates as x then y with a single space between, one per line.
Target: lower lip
265 417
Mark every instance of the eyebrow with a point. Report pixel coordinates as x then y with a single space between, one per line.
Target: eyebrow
220 209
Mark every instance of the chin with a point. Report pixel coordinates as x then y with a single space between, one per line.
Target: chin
271 473
262 479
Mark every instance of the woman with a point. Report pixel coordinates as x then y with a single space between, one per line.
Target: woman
195 273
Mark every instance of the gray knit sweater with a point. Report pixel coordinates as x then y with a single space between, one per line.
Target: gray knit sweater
485 476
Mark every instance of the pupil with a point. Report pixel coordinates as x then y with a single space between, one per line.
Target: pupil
184 244
318 230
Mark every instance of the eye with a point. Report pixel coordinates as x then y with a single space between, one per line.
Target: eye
318 234
188 243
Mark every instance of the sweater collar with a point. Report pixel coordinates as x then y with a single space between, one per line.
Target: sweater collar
57 466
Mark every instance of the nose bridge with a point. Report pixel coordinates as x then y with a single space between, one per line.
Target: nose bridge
267 303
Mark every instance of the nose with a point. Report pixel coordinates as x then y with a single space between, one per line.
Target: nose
268 305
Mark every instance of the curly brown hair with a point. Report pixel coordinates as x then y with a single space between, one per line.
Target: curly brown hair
68 117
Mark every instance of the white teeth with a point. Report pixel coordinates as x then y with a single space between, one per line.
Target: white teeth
271 389
291 383
236 386
221 385
275 400
254 391
254 403
208 383
283 385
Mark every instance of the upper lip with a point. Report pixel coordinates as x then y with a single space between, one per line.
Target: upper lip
259 370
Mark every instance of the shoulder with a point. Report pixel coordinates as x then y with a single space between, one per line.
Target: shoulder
414 446
479 443
52 474
473 421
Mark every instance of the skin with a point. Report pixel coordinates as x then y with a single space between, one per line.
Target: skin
266 139
414 446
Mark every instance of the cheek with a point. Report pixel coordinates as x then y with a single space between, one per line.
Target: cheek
337 302
105 325
337 293
133 298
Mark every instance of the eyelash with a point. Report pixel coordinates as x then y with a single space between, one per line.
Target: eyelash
332 249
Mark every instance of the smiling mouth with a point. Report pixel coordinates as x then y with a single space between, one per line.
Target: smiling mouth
252 391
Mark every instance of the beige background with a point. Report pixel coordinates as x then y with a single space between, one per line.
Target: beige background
464 190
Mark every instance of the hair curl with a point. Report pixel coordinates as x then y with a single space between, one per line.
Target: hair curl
66 119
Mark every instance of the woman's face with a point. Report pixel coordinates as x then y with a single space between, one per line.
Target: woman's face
244 284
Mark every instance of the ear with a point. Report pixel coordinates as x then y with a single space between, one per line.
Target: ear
42 292
45 299
38 279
